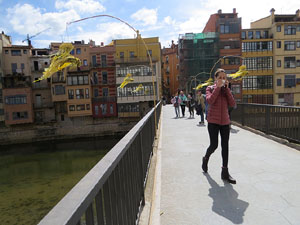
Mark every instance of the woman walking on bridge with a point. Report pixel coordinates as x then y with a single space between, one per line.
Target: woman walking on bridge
219 97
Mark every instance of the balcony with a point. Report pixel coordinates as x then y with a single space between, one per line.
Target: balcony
102 65
43 105
105 99
16 81
15 72
39 85
58 79
135 60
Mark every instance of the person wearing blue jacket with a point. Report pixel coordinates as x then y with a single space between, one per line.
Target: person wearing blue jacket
183 99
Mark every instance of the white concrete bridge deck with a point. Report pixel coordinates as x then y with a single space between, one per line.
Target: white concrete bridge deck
267 173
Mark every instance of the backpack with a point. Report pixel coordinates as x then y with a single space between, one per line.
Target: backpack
176 101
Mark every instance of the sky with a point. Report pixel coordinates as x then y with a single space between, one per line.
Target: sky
153 18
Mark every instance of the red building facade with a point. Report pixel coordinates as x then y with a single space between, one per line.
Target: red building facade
170 70
103 80
228 25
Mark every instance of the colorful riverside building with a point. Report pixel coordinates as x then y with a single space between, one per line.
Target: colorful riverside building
5 41
131 57
257 50
228 26
198 52
17 91
170 71
103 81
72 94
41 90
285 30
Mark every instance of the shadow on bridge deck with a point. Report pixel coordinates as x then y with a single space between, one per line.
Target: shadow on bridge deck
267 174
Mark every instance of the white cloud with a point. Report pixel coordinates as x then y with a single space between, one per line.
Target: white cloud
105 32
147 16
25 19
168 20
249 12
80 6
44 43
19 42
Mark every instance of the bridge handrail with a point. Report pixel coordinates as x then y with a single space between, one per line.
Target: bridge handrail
112 192
280 121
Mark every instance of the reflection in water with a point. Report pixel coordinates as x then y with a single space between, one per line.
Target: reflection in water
226 202
34 177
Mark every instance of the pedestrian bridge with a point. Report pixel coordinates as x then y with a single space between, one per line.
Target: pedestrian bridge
113 192
267 174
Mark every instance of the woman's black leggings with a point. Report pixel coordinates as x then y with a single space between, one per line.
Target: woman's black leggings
182 109
213 130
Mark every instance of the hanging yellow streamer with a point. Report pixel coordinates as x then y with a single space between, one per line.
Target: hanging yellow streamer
60 60
240 73
139 88
126 80
206 83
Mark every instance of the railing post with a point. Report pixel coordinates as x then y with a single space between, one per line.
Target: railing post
142 167
267 119
242 114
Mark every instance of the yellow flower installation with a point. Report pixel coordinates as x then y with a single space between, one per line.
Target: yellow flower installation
60 61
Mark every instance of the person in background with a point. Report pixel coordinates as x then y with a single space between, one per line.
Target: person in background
191 104
183 99
200 106
176 102
219 97
164 100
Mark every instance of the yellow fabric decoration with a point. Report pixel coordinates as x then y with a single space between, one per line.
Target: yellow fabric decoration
210 81
60 60
126 80
240 73
140 87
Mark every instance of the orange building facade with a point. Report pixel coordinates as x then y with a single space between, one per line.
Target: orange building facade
170 70
17 91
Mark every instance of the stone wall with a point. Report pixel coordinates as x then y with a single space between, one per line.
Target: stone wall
33 133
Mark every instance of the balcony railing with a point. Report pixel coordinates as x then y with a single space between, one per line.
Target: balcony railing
43 105
135 60
102 65
113 191
104 99
280 121
41 85
58 80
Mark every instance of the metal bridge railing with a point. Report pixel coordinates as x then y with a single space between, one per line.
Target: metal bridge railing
280 121
112 192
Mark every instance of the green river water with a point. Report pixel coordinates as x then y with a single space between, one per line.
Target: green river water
34 177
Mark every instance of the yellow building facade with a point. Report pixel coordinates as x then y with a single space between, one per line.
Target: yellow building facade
285 30
131 57
72 94
257 51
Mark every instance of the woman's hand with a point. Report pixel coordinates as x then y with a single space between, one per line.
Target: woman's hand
220 83
226 84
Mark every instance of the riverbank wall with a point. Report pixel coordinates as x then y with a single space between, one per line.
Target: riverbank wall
77 129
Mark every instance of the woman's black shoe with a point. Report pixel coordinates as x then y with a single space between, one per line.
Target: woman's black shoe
226 176
204 164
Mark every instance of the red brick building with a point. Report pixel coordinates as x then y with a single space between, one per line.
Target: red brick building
228 25
103 81
170 70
